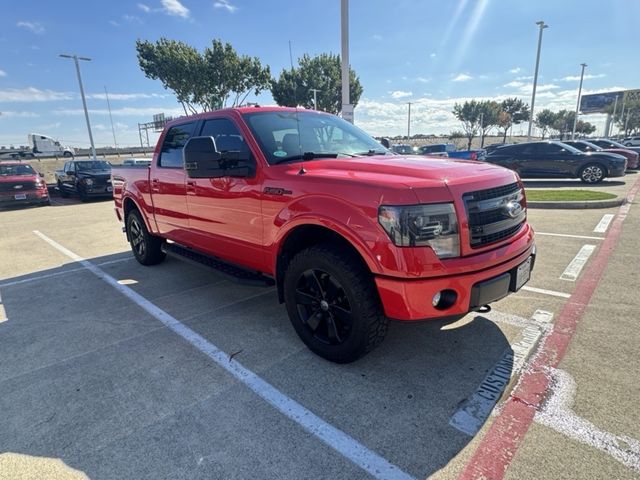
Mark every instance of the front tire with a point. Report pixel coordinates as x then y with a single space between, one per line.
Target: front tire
67 154
63 192
333 304
593 173
146 248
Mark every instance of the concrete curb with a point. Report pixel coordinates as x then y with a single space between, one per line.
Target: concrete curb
615 202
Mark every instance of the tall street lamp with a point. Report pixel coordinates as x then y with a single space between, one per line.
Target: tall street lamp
542 26
84 101
315 97
347 107
575 120
409 122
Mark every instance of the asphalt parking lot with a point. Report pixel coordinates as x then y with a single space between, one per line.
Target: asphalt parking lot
114 370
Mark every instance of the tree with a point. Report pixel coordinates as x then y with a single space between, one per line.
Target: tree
628 120
585 128
208 80
545 120
563 123
469 114
513 111
489 114
323 72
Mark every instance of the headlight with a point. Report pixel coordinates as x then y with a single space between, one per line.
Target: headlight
41 183
87 181
434 226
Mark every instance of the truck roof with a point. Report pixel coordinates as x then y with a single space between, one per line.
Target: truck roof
241 110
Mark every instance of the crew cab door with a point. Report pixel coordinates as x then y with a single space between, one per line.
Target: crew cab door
225 213
552 160
168 185
68 176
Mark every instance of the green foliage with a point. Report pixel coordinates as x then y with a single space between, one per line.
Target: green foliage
545 120
561 123
628 120
208 80
513 111
323 72
469 114
489 116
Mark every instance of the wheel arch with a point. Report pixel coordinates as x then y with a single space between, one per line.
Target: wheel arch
306 235
128 205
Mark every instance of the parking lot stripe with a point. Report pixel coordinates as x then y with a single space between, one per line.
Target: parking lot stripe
57 274
3 312
470 417
546 292
574 268
347 446
583 237
604 223
556 413
499 446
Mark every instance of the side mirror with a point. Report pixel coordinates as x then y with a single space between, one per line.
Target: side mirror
385 142
202 159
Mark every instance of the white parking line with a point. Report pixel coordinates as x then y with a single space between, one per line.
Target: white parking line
57 274
584 237
573 270
604 223
557 414
3 312
544 291
368 460
470 417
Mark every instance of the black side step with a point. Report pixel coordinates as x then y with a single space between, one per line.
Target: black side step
233 272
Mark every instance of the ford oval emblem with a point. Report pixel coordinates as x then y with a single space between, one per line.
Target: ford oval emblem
513 209
17 187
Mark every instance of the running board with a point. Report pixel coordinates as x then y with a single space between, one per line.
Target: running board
233 273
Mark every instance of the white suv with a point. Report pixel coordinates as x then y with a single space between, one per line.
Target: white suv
631 142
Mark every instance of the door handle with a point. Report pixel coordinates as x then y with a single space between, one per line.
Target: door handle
191 187
155 185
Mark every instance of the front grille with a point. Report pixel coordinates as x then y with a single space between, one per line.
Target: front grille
493 214
17 187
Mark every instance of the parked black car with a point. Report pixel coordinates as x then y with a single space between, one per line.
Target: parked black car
557 160
608 143
87 178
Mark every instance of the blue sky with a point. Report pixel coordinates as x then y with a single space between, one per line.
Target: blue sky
432 53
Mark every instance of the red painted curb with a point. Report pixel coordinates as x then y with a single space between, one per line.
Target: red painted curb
500 445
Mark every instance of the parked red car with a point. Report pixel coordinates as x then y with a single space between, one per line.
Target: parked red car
350 234
587 146
21 184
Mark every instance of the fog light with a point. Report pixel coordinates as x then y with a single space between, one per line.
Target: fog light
436 299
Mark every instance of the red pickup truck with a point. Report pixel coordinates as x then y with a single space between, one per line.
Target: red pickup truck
351 234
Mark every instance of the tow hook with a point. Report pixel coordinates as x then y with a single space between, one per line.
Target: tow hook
484 309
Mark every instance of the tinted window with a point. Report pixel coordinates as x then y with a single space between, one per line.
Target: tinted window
550 149
174 141
16 170
525 149
226 135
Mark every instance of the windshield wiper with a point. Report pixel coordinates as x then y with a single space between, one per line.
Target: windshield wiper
371 153
310 156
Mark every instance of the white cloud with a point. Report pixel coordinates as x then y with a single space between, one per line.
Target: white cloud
9 114
3 73
400 94
144 8
514 84
515 70
31 94
463 77
423 79
377 37
35 27
132 18
432 55
226 5
174 8
525 77
125 96
113 23
125 111
576 78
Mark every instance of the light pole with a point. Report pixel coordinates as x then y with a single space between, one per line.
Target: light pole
409 122
575 120
613 121
347 108
113 130
84 101
315 97
542 26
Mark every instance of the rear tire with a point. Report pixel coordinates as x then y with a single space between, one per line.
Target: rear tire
333 304
593 173
146 248
67 154
84 198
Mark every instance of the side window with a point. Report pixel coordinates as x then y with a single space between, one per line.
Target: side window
550 149
227 136
174 141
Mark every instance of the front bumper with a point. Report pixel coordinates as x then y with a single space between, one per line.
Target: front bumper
98 191
618 171
409 300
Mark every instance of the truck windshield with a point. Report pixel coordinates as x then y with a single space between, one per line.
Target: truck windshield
93 165
304 135
7 170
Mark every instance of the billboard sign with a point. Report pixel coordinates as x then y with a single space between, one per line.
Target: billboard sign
598 102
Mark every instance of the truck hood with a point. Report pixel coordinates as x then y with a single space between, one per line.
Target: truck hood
430 177
94 173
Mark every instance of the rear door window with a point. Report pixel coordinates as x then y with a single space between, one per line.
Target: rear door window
174 141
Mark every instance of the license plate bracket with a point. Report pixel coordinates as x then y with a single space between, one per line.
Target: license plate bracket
521 275
20 196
